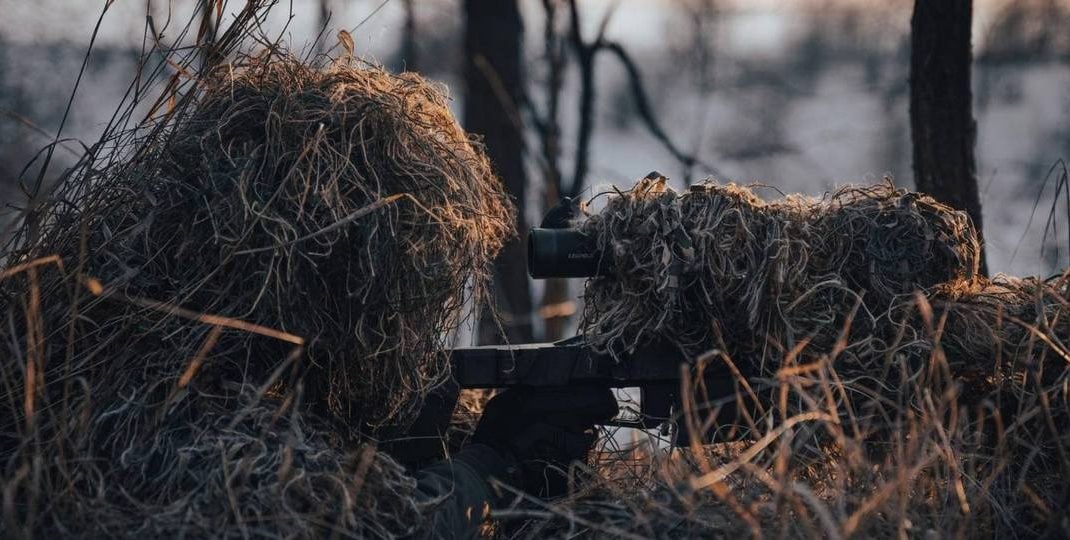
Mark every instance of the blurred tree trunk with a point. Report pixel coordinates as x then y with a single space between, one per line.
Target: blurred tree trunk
409 54
493 88
704 16
207 29
557 306
942 127
325 16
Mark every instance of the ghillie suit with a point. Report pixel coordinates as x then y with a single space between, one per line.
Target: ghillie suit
764 272
884 386
204 334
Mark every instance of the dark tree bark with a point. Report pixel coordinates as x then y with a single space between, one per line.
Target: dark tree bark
942 127
409 53
586 53
493 88
324 18
557 306
207 31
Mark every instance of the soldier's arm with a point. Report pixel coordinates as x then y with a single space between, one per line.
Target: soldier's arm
526 438
460 490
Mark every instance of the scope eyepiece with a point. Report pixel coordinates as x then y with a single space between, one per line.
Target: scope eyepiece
562 253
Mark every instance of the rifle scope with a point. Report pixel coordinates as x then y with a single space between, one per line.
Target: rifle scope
563 253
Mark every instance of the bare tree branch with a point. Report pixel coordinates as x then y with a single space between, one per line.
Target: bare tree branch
586 53
642 103
549 126
556 299
585 56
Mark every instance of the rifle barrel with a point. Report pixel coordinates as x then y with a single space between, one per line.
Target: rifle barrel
567 362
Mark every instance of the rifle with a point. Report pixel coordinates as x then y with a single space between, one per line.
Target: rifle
656 369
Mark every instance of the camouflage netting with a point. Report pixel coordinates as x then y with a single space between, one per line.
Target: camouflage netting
238 303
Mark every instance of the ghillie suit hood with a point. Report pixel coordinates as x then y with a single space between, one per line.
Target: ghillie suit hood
209 326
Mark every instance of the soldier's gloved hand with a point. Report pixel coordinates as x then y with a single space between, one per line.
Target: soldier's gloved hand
542 431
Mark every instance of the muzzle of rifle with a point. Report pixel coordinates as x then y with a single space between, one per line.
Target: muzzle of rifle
563 253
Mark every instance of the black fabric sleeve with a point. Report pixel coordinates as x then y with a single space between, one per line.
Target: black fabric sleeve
460 492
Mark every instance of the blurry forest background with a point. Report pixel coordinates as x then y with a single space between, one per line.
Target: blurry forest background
798 95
